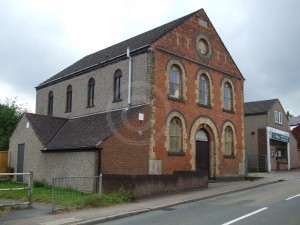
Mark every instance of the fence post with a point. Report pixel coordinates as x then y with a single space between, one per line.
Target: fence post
100 184
53 195
30 187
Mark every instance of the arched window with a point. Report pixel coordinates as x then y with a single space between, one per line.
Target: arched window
227 97
69 99
175 87
117 85
201 135
50 103
203 90
228 137
175 133
91 92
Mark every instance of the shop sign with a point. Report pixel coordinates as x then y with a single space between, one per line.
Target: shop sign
280 137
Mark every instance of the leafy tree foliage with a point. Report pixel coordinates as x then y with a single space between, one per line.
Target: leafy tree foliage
10 114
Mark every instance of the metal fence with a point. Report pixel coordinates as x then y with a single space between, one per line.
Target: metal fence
69 192
20 187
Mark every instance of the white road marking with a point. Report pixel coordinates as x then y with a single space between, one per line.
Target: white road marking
243 217
295 196
62 221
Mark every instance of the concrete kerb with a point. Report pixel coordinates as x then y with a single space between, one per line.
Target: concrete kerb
137 212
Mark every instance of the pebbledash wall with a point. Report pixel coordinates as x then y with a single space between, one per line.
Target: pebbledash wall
45 166
103 90
179 48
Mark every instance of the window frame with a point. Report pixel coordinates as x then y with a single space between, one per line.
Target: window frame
50 103
69 98
228 142
175 137
91 93
117 85
175 82
227 97
278 117
205 92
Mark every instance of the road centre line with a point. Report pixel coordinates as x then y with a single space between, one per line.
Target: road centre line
243 217
295 196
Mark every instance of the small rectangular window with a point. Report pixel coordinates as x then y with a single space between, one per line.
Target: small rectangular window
278 117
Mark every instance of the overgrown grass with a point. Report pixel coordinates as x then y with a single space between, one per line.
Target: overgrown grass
66 198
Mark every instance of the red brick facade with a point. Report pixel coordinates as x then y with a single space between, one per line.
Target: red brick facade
296 132
179 46
127 150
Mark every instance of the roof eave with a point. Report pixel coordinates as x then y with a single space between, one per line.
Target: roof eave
75 149
255 114
93 67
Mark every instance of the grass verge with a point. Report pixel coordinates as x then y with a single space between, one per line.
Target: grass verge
64 198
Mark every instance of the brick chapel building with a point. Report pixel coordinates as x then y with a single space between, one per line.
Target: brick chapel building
170 99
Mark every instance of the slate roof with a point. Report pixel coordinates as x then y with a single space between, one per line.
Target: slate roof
79 133
258 107
134 43
294 121
45 127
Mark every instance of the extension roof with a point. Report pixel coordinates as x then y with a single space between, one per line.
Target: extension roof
136 43
294 121
258 107
87 132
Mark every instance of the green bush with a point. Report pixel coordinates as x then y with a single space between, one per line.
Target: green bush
41 184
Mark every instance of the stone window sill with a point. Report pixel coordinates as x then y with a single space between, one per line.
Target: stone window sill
229 156
181 153
117 100
228 111
176 99
205 106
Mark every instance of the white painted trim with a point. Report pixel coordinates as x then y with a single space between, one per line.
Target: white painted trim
269 130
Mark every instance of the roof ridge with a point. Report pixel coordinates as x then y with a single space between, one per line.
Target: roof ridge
274 99
105 55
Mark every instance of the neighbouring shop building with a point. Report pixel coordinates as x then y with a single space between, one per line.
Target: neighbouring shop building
269 143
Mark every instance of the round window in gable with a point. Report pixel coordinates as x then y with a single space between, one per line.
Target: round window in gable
203 47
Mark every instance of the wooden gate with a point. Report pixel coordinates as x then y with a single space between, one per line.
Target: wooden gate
3 161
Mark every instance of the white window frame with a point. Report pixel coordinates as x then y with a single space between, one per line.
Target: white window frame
278 117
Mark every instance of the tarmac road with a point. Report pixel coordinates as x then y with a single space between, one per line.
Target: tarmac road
274 204
41 214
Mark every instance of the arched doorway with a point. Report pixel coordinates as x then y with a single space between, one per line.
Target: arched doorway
202 151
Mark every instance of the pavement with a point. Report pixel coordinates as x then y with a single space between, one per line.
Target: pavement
41 214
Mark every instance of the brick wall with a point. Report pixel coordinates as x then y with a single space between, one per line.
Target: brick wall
262 142
127 150
179 46
145 185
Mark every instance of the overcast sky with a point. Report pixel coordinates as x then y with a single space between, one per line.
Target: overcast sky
39 38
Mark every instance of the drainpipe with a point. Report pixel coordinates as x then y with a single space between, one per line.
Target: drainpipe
129 77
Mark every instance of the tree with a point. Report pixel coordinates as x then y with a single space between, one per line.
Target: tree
10 114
